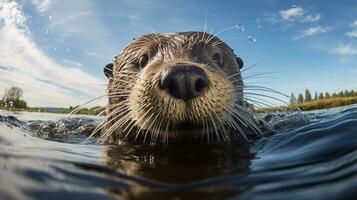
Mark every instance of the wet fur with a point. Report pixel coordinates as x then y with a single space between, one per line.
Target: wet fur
139 111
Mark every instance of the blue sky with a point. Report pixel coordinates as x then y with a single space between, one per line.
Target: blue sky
55 49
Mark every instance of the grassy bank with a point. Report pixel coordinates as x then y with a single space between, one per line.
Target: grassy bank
306 106
324 103
83 111
331 102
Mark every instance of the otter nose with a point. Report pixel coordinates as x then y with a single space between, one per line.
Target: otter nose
184 81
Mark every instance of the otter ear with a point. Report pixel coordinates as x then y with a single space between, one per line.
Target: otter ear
240 62
108 70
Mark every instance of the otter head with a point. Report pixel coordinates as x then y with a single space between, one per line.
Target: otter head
172 87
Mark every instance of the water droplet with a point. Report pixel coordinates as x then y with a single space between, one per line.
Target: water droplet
46 31
259 26
293 6
50 17
252 38
67 50
55 48
239 26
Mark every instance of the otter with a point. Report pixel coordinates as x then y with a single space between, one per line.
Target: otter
176 87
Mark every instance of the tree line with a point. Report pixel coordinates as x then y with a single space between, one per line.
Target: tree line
307 97
12 98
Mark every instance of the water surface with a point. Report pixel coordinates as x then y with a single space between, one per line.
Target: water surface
311 155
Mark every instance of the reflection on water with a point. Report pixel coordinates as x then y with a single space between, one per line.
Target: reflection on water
183 164
310 156
178 170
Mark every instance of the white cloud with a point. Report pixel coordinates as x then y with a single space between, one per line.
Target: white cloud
311 18
353 32
346 49
81 22
312 31
45 82
296 14
292 13
72 63
42 5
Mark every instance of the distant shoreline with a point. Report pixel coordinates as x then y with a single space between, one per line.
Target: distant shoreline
319 104
331 102
324 103
82 111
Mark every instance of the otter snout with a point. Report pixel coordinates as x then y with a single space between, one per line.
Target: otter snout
184 82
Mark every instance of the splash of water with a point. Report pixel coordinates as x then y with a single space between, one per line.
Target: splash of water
252 38
239 26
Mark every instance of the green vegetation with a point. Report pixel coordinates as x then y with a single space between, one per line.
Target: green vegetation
322 100
12 101
12 98
330 102
83 111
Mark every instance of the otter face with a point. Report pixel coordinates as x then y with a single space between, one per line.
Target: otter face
165 87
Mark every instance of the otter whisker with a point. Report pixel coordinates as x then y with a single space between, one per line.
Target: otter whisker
151 112
84 104
114 126
140 118
250 67
255 75
228 39
267 96
220 32
261 105
267 88
259 78
205 26
150 126
131 124
223 121
157 130
116 111
256 83
210 34
214 125
122 111
146 121
224 134
234 124
244 110
261 101
263 91
101 125
231 122
252 75
241 111
165 135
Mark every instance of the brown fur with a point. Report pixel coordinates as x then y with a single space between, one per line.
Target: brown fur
139 110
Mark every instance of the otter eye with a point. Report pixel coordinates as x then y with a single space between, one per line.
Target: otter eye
143 60
217 58
239 62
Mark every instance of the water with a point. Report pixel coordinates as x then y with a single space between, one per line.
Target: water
310 156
